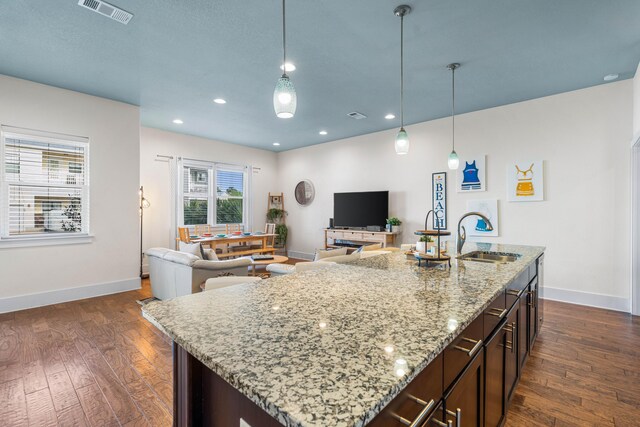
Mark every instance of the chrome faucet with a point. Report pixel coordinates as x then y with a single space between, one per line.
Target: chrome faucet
462 236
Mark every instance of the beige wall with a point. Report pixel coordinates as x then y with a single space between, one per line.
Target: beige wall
582 136
158 181
110 262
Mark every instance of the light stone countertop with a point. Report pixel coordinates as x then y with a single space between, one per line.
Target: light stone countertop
312 349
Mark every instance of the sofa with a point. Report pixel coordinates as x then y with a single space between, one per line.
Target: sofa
175 274
324 262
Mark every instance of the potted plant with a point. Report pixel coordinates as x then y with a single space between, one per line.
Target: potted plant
282 231
275 214
424 243
393 225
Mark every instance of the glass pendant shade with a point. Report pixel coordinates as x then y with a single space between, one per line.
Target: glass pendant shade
402 142
284 98
453 161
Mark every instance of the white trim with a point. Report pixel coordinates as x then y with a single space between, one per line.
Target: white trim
45 240
609 302
40 299
635 226
301 255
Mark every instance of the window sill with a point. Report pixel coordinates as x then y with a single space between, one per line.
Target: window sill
24 242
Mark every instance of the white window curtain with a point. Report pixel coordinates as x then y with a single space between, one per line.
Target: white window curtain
45 184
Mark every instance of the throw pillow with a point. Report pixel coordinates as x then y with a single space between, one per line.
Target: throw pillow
210 255
320 254
192 248
374 247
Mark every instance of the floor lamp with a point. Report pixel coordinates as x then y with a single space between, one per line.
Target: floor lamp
143 204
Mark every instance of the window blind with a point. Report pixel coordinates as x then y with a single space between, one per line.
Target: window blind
45 186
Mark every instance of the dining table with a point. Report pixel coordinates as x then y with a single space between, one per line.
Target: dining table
214 241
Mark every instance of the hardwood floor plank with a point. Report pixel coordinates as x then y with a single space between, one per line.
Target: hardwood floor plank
40 410
62 391
10 371
121 402
95 406
13 410
72 416
34 377
76 368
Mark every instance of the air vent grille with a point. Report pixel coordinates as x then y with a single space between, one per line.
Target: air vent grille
108 10
356 115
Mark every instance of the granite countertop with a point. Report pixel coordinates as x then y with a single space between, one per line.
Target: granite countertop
326 347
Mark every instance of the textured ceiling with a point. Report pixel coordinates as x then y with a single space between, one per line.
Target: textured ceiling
174 57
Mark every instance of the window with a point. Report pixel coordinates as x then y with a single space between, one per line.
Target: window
229 196
196 195
44 185
201 205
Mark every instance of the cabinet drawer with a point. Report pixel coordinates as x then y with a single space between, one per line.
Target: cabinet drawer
516 288
462 350
334 234
426 386
352 235
373 237
494 314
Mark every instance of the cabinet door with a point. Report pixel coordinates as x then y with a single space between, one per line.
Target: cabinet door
533 312
511 368
523 317
540 303
494 408
464 405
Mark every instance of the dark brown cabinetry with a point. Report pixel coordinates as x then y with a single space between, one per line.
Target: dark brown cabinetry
464 404
468 385
417 400
494 360
511 365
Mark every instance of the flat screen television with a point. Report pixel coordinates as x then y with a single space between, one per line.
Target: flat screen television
360 209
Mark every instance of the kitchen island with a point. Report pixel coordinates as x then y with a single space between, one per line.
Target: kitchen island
344 346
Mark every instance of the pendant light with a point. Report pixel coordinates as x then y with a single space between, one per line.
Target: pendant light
402 139
453 161
284 96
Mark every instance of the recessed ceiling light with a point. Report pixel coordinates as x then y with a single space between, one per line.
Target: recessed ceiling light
289 67
219 101
390 116
276 144
178 121
610 77
323 132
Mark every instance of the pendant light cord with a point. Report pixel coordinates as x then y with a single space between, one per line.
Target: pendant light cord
402 71
453 107
284 41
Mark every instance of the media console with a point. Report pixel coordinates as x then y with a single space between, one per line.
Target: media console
356 238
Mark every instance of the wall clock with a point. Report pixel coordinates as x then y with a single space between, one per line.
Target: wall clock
304 192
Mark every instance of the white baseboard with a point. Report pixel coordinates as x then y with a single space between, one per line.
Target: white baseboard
609 302
40 299
301 255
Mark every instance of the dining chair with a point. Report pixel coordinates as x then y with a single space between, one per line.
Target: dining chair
269 228
234 228
202 229
183 236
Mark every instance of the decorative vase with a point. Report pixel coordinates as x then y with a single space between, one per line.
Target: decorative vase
396 228
421 247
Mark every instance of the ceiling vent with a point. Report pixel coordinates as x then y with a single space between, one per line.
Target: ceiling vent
356 115
108 10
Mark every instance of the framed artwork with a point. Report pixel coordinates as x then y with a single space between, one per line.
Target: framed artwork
525 181
439 200
471 174
476 226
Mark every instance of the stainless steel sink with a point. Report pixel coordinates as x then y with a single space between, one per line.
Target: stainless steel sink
492 257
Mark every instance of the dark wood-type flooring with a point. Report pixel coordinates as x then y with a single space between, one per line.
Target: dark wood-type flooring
98 362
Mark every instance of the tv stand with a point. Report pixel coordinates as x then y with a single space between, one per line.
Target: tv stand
357 238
